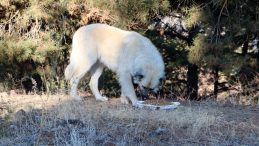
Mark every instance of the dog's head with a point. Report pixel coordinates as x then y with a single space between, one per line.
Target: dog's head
149 79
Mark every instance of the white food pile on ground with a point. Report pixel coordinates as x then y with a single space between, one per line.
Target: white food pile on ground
170 106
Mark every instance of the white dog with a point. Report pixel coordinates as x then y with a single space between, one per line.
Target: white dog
127 53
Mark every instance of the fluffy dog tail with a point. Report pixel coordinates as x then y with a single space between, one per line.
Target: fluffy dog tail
69 71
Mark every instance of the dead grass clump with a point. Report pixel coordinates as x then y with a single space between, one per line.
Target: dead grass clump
89 14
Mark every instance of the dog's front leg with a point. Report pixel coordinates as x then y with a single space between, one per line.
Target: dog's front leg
127 88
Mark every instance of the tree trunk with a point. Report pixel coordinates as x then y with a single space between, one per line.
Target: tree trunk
216 81
192 82
245 46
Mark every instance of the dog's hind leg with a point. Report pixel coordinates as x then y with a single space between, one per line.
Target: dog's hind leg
79 70
74 81
96 72
82 59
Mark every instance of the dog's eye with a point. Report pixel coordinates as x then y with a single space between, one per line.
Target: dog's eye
139 76
146 88
161 79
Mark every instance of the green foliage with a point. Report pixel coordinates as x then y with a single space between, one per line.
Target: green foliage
196 15
197 50
39 33
130 13
139 11
26 49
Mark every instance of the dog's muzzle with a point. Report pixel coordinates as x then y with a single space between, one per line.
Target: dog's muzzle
145 92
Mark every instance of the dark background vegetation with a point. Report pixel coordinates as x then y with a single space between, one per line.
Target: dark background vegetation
210 47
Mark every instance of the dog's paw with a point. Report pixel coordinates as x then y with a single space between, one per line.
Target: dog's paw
138 104
77 98
102 98
124 100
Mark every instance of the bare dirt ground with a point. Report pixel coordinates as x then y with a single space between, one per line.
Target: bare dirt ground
56 120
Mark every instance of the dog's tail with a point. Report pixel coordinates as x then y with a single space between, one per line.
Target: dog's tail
69 72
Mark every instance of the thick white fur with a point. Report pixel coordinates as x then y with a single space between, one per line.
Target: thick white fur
126 53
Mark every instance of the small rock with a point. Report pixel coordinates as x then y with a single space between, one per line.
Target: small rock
160 130
3 94
13 93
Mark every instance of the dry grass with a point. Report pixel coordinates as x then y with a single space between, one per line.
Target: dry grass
56 120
